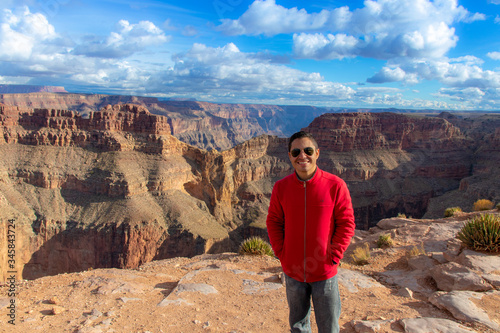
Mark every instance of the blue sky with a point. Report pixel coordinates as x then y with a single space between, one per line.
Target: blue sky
441 54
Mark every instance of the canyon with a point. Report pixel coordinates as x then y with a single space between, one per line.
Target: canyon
202 124
140 180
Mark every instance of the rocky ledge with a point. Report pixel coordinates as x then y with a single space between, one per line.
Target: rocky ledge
446 289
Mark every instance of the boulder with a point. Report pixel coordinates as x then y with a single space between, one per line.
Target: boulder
393 223
421 263
453 276
353 280
426 325
407 279
370 326
461 306
483 262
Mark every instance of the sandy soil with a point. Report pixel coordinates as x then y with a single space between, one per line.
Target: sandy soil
248 297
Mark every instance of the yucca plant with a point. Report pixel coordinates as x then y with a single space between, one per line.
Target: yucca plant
451 211
257 246
361 255
384 241
481 233
482 204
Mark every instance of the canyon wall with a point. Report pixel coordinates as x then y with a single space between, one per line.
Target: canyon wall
115 188
202 124
393 163
26 88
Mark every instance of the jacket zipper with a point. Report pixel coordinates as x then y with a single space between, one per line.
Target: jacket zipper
305 228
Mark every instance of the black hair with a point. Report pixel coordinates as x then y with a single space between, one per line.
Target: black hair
300 135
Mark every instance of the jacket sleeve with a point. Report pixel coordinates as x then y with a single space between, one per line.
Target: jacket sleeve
344 224
275 223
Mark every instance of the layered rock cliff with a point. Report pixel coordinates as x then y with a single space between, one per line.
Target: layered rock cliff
393 163
116 189
202 124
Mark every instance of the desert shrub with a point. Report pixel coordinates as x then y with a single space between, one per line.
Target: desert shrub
416 251
401 215
498 206
384 241
482 233
482 204
451 211
257 246
361 255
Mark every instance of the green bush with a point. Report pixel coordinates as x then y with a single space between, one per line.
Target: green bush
451 211
256 246
481 233
482 204
384 241
361 255
498 206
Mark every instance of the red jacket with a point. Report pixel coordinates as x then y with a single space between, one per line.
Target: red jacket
310 224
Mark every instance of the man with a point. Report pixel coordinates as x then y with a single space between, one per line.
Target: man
310 223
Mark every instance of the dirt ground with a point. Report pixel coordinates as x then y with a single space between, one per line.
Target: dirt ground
242 294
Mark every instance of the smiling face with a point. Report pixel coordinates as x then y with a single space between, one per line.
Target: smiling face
304 165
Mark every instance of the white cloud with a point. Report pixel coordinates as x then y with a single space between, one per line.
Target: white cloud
21 32
474 17
464 75
388 75
203 72
129 39
189 31
267 18
473 95
497 19
226 71
494 55
393 97
382 29
32 52
461 72
464 80
319 46
432 41
389 29
472 98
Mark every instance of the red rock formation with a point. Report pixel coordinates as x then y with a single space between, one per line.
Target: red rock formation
393 163
116 189
202 124
372 131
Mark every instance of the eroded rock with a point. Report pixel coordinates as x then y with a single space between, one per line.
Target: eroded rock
453 276
462 307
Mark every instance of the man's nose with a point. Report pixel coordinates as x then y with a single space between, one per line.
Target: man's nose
302 153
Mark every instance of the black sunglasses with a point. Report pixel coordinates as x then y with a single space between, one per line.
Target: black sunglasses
296 152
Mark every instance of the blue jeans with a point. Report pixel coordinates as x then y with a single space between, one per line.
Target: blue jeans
326 300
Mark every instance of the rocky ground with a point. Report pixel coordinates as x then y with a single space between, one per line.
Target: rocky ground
445 289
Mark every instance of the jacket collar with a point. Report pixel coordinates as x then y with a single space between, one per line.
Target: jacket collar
313 179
